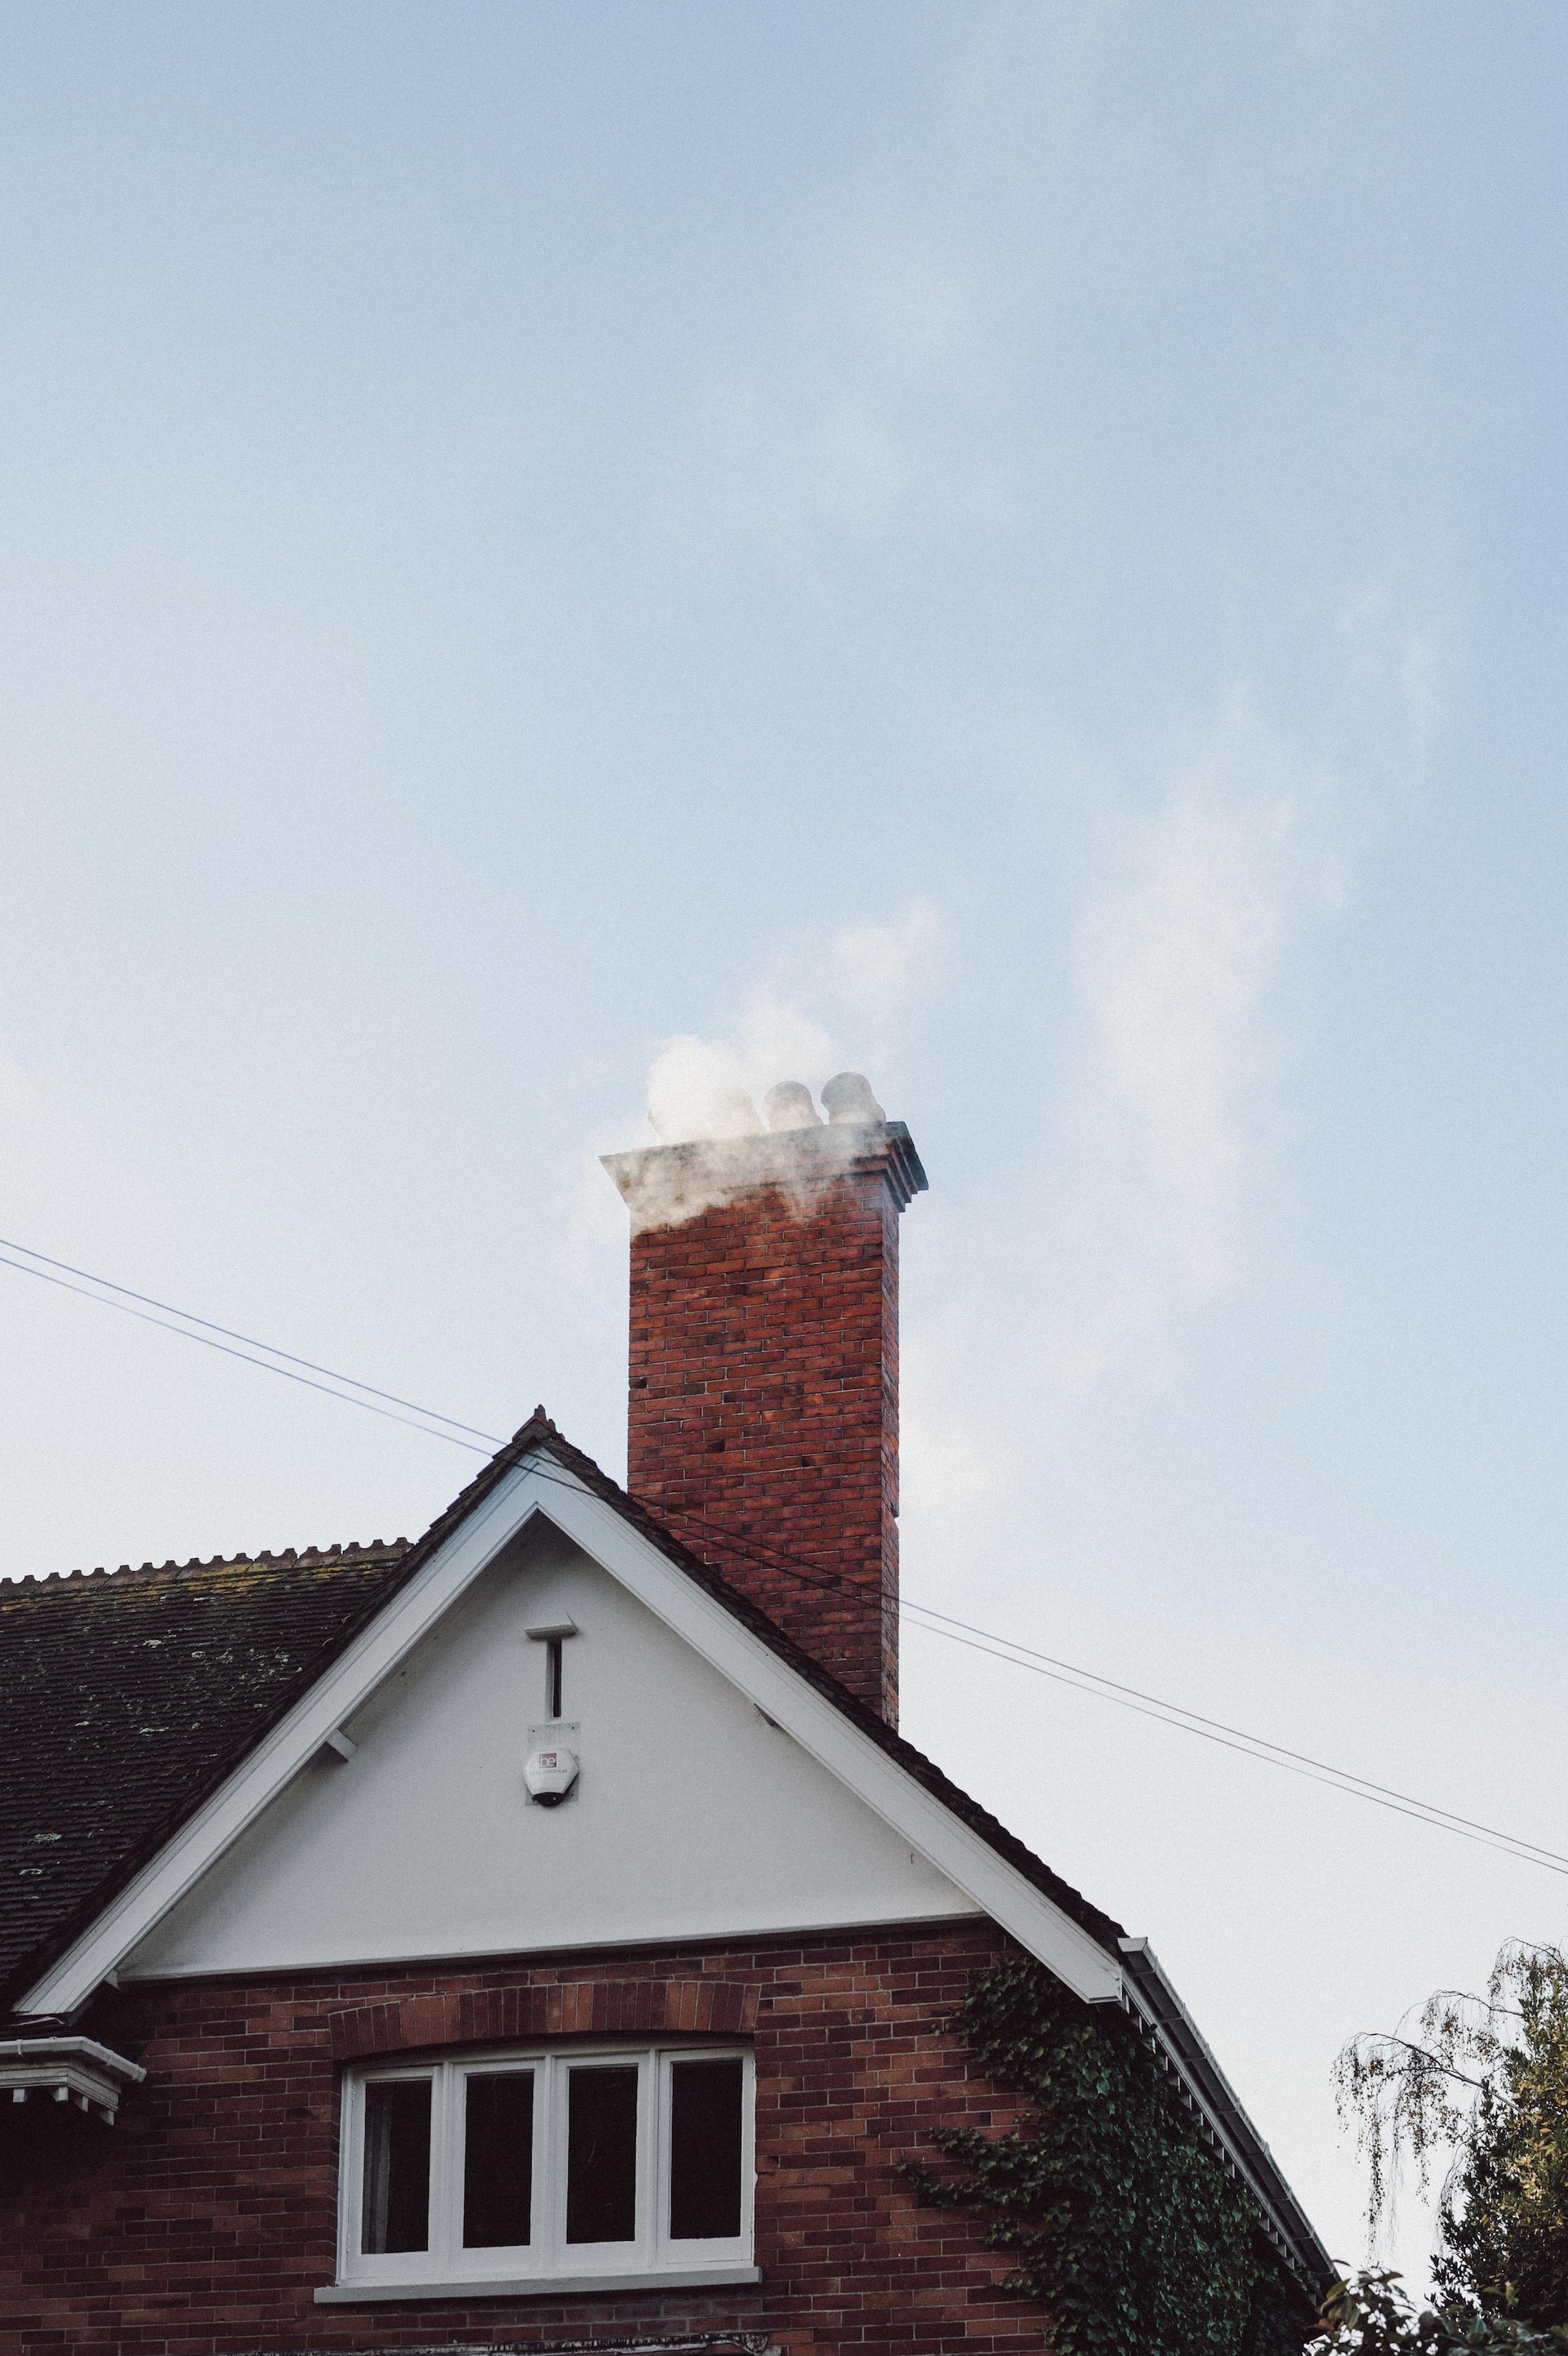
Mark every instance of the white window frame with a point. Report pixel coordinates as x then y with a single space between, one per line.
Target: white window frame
548 2257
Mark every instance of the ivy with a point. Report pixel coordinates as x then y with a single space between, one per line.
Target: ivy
1121 2221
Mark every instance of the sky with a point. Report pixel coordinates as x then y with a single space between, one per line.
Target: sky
548 552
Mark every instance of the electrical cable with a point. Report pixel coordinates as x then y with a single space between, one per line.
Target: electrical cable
824 1576
1334 1779
985 1640
7 1247
834 1583
1179 1711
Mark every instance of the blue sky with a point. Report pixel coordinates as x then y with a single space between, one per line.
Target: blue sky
1018 549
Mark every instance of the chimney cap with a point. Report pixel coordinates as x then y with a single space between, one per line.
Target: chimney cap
664 1185
848 1097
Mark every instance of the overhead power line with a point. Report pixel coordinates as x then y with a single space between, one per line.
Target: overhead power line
1230 1738
110 1295
330 1383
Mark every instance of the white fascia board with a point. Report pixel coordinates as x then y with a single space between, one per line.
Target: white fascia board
341 1689
683 1606
823 1731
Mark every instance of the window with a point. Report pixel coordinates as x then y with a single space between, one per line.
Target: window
581 2162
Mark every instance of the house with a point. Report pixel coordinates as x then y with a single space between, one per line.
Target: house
539 1936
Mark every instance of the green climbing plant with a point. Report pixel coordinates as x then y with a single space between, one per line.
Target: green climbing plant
1121 2221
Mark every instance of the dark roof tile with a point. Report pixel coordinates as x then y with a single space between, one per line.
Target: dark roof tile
126 1695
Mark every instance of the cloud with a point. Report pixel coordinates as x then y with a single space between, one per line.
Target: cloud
1401 659
1170 1118
1170 967
1157 1156
876 969
858 400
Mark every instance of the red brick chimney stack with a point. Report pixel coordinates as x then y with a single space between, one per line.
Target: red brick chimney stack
764 1363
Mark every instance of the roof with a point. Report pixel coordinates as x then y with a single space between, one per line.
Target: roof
182 1668
126 1695
129 1698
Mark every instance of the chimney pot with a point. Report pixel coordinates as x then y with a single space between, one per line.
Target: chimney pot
789 1106
731 1113
848 1097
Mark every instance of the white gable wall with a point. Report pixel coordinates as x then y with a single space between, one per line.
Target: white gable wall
694 1816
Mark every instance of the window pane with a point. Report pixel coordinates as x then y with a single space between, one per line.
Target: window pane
601 2155
498 2159
706 2151
396 2213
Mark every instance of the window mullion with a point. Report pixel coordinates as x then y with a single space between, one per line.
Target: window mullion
552 2145
660 2206
748 2150
351 2172
648 2234
446 2167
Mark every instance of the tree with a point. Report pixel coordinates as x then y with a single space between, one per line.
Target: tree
1370 2316
1485 2079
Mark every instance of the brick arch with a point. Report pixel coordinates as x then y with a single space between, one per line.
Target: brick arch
569 2009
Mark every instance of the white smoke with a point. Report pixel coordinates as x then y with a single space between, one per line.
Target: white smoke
868 975
854 407
828 1005
695 1083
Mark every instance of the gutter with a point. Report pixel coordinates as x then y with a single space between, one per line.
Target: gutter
67 2070
1171 2034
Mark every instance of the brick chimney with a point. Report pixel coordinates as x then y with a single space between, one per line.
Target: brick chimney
764 1364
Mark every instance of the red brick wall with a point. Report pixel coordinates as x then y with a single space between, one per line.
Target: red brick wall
201 2223
764 1402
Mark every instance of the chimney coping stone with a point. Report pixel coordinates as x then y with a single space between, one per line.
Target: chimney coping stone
666 1185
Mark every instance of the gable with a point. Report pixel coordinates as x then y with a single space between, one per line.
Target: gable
539 1475
694 1814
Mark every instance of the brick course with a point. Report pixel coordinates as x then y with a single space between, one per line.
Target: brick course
764 1405
202 2222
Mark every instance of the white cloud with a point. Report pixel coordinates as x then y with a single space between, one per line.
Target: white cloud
1160 1153
1171 1113
840 416
877 968
1402 657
